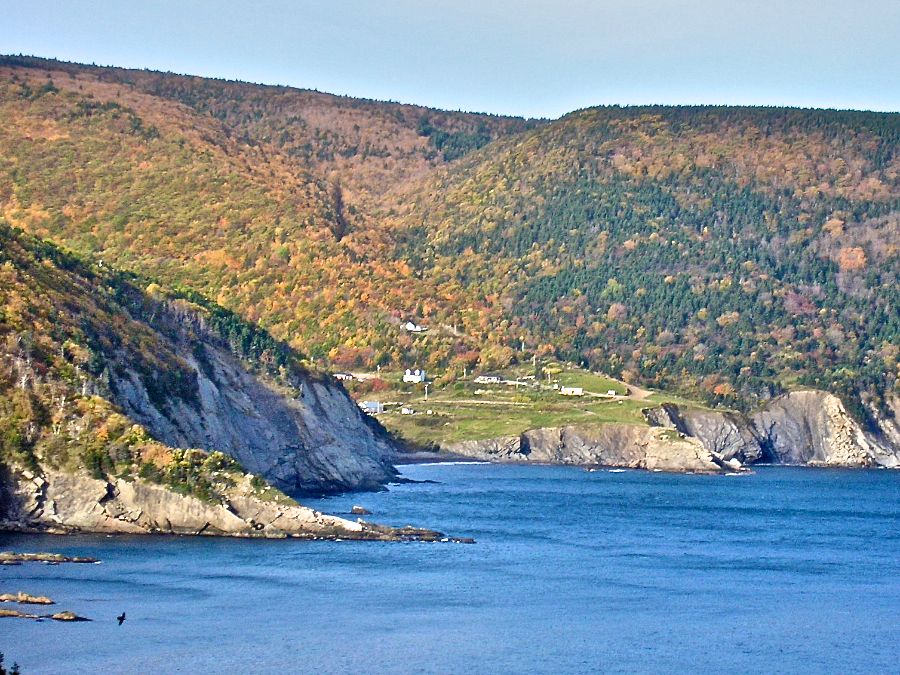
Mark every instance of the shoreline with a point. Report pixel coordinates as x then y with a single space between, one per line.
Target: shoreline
430 457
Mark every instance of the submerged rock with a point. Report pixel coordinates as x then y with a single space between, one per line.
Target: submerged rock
59 616
67 616
13 558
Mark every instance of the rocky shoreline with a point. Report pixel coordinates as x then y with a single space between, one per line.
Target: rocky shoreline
63 503
804 428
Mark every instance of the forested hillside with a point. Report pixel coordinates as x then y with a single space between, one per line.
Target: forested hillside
722 251
63 327
193 195
727 253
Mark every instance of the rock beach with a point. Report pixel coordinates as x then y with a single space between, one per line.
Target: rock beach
71 503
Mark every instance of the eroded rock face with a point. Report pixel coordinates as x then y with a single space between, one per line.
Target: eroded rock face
316 442
802 428
812 427
617 445
65 503
809 428
725 435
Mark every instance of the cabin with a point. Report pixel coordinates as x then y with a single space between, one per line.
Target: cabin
489 379
407 411
611 393
572 391
414 327
371 407
414 375
344 376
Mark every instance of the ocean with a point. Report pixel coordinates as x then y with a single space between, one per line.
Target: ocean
788 570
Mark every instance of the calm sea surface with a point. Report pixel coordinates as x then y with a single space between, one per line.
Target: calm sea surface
786 571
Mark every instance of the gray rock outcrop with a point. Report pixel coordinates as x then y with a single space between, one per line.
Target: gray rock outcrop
809 428
726 435
297 428
312 439
801 428
814 428
62 503
618 445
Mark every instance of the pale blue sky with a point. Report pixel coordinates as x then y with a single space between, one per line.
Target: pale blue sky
532 58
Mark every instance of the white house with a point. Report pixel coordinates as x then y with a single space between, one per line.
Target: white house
413 327
572 391
343 376
414 375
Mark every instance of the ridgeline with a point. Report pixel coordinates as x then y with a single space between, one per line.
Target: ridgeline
729 254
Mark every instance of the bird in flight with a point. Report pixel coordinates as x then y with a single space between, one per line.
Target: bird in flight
121 618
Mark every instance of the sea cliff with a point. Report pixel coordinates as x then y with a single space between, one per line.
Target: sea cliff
305 434
807 428
65 503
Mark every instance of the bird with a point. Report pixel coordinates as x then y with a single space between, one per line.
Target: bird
121 618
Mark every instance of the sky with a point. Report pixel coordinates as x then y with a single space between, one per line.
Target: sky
527 57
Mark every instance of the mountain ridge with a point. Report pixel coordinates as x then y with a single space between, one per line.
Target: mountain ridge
728 253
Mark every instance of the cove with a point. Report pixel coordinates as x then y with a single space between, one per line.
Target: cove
787 570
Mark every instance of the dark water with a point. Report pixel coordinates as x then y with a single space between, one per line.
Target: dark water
786 571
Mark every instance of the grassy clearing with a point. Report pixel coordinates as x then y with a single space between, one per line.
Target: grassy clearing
595 384
469 411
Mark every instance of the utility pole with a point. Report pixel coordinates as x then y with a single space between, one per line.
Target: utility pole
426 392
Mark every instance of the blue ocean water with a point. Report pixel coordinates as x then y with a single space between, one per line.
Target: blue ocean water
785 571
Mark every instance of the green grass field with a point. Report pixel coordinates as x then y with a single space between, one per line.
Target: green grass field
594 384
467 411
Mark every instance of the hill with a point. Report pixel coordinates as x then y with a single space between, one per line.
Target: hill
99 376
724 252
728 254
114 165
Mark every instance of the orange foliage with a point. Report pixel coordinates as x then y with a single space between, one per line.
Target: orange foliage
851 259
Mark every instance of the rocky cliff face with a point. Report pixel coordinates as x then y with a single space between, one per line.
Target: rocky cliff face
809 428
308 439
62 503
80 344
620 445
813 428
